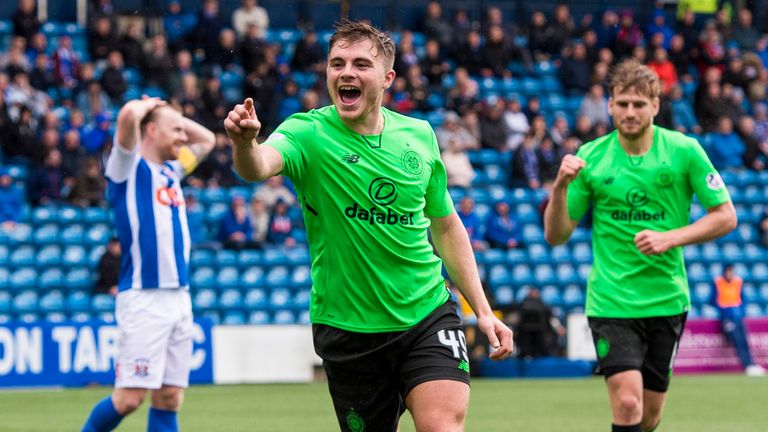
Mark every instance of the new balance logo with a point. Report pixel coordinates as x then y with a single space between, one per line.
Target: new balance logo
351 158
608 181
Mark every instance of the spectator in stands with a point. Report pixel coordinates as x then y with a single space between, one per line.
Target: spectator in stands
89 188
72 153
726 147
628 35
38 45
463 97
755 152
15 60
574 71
25 21
8 143
183 68
540 35
47 184
525 167
457 166
198 233
559 130
468 54
744 33
289 101
516 123
658 25
453 130
309 100
213 103
433 65
112 80
502 229
497 53
217 168
418 87
727 297
472 223
42 76
274 189
11 201
664 69
210 22
760 112
538 329
261 84
538 130
178 25
280 226
225 55
532 108
21 93
435 26
131 47
679 56
461 26
548 156
308 56
259 220
157 61
109 269
683 118
94 101
24 137
102 40
97 134
493 128
710 107
595 106
235 231
250 14
711 49
607 29
66 63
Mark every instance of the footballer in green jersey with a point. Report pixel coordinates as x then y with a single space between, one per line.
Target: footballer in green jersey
640 181
372 187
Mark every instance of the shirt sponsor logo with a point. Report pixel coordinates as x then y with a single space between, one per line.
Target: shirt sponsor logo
412 162
637 197
382 191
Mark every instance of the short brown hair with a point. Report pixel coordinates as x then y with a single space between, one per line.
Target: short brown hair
631 74
355 31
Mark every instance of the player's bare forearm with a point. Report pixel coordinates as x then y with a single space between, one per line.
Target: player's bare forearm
256 162
718 221
452 243
200 140
558 225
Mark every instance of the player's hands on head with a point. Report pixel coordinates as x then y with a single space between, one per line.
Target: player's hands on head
242 124
569 169
152 102
499 337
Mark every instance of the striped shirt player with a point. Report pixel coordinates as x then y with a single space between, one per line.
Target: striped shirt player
155 148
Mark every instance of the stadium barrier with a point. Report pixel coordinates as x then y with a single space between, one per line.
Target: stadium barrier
703 347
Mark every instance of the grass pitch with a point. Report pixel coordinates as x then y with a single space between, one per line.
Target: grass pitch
721 403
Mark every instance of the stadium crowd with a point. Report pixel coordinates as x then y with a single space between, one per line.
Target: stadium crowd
528 93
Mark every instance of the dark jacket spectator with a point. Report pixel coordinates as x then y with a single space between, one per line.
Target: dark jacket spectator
89 187
112 80
25 22
308 55
10 201
109 269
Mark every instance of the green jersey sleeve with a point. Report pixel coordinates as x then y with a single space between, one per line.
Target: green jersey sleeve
704 178
579 193
438 200
287 139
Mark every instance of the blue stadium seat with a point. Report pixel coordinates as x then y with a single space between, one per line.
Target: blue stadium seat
527 213
49 256
22 279
303 318
55 317
69 215
499 275
212 315
537 252
298 256
94 256
249 258
759 273
81 317
566 274
98 234
753 310
28 317
516 256
72 235
106 316
226 257
255 298
701 293
44 215
94 215
23 256
573 295
753 253
278 276
5 302
301 276
46 234
492 257
763 293
205 299
51 279
252 277
504 295
4 277
550 295
301 299
231 299
52 301
233 318
691 253
284 317
203 277
201 258
102 303
4 255
78 279
561 254
132 77
709 312
543 274
521 275
258 317
275 257
227 277
280 298
78 302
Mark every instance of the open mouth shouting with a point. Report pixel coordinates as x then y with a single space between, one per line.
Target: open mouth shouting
349 94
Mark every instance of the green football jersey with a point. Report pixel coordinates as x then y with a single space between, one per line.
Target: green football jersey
365 201
629 194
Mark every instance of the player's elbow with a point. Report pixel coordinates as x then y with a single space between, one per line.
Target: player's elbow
730 220
554 239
